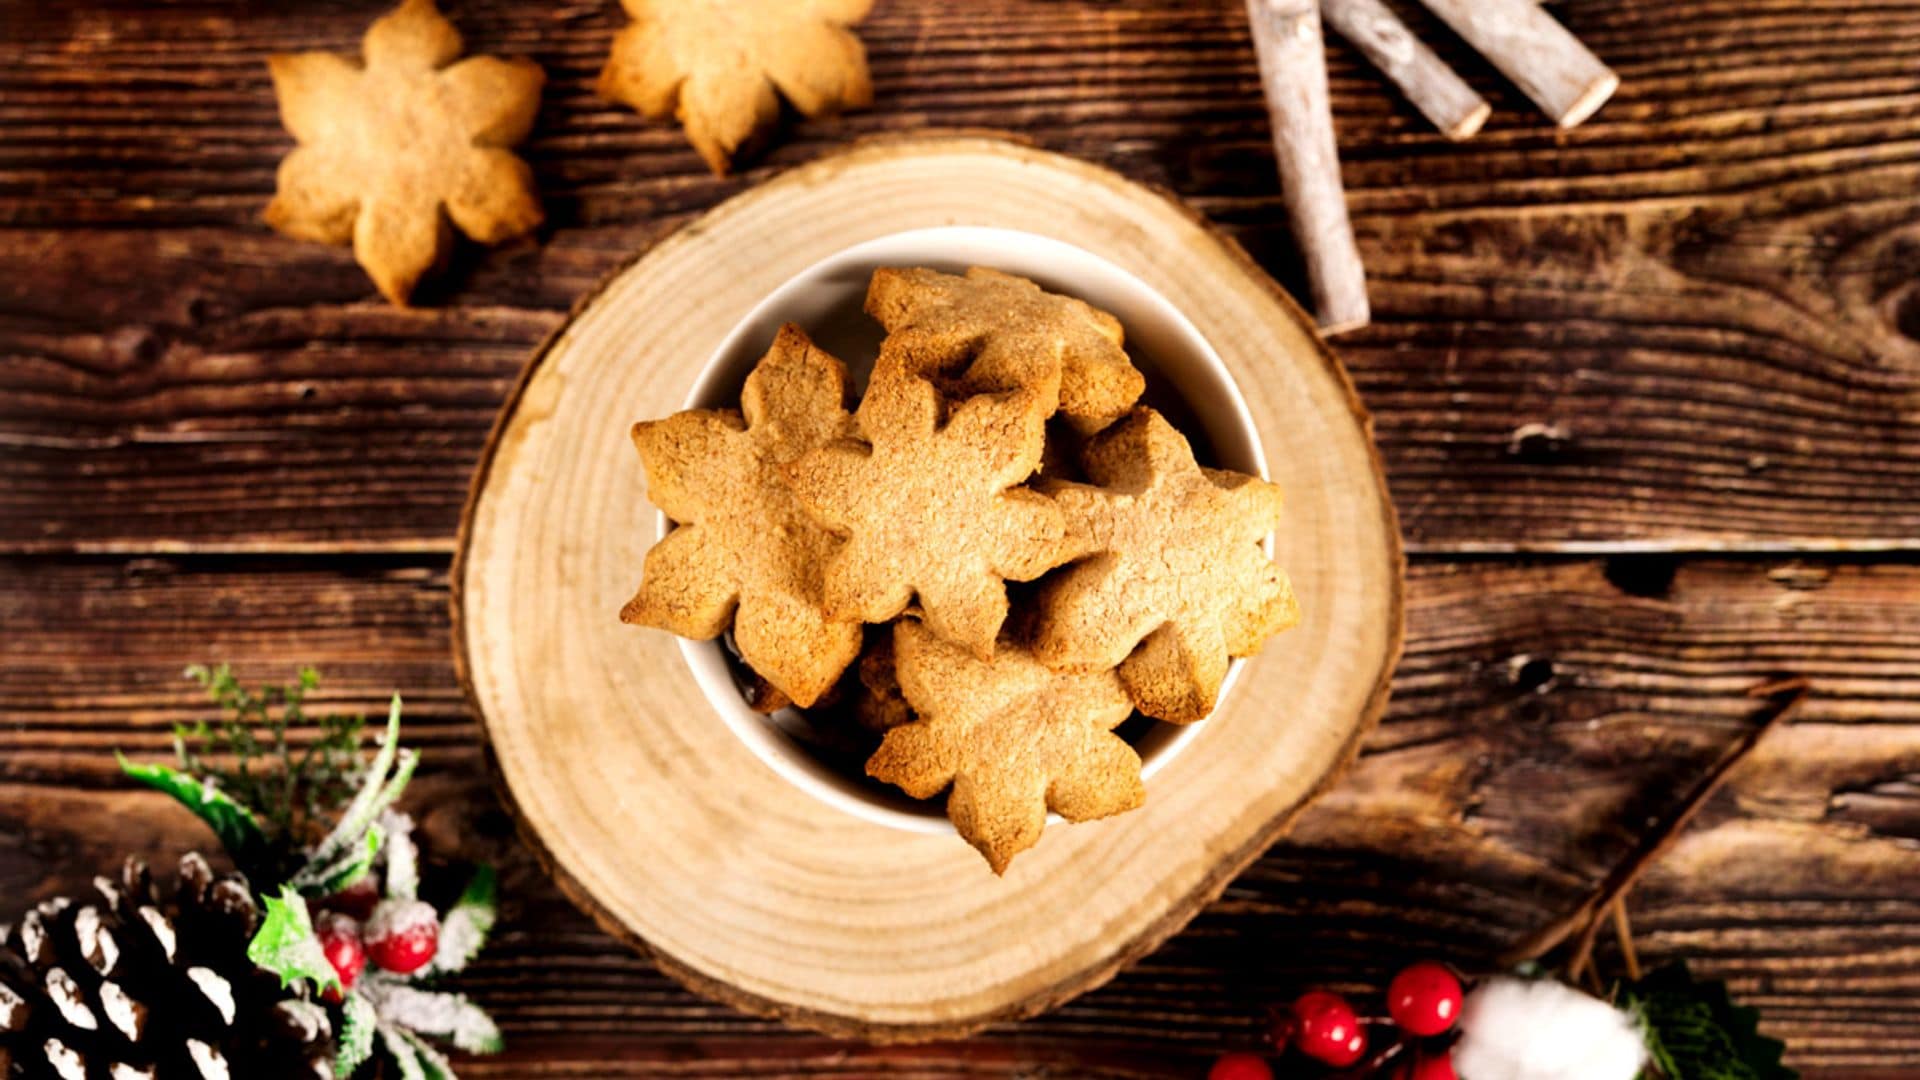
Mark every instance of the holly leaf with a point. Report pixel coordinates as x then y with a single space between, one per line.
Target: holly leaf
357 1026
464 930
239 831
287 946
1696 1031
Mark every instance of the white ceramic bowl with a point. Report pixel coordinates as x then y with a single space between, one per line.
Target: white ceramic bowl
1185 380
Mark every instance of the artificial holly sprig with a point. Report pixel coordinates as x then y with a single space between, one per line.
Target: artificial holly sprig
339 883
1529 1026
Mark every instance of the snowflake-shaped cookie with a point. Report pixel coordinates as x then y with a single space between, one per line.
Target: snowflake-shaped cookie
716 65
386 145
1013 739
1172 578
991 331
931 508
745 553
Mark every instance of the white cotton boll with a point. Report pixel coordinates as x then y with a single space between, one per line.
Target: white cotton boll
1538 1029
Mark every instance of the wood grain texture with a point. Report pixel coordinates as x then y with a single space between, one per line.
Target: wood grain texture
1542 713
1691 322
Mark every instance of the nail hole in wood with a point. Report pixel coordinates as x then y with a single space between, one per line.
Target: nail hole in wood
1906 312
1649 576
1538 441
1533 673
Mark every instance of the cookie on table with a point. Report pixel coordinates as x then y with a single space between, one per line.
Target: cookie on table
990 331
746 554
1171 578
931 506
392 148
1010 737
716 64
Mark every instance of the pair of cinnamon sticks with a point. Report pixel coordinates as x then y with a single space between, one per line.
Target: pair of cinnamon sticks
1529 46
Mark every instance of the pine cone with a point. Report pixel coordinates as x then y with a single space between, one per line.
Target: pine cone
137 986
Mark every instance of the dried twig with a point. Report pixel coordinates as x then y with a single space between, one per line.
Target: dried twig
1623 930
1583 922
1293 73
1531 48
1440 94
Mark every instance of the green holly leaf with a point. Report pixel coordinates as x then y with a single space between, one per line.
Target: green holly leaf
1695 1030
357 1025
464 930
239 831
287 946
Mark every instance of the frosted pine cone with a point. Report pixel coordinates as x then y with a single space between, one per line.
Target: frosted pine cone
134 985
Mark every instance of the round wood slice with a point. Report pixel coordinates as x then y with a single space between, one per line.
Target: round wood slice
661 823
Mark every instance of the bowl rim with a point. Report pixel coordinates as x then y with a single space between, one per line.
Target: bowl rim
709 661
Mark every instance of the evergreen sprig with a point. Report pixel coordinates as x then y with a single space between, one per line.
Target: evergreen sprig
304 823
290 789
1696 1031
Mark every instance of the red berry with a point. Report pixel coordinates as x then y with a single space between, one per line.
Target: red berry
1428 1067
340 941
1424 999
1355 1049
1240 1067
357 899
402 935
1327 1029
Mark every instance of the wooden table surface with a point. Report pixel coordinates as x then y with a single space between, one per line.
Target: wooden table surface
1647 391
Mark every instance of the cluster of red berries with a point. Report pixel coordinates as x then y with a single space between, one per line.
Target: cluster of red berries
359 928
1423 1000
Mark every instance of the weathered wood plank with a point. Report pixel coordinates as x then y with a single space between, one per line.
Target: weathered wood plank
1690 323
1542 714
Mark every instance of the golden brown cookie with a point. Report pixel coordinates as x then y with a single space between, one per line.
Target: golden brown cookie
990 331
715 64
386 146
743 541
931 507
1013 738
1172 579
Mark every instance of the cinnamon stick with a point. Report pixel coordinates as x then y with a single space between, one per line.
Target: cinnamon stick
1440 94
1531 48
1293 73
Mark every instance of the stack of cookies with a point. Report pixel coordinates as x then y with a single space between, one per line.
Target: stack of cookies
864 556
